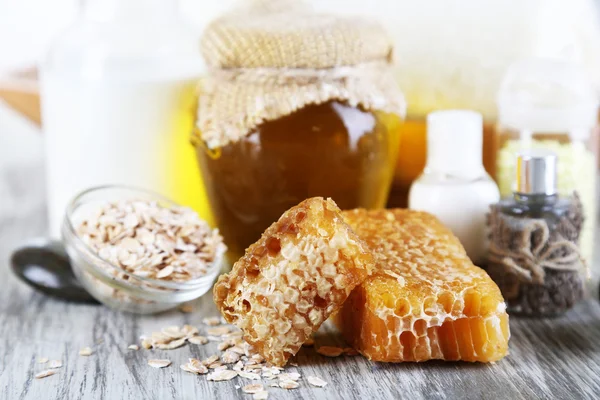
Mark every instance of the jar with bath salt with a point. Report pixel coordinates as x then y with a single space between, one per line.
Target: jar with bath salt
534 253
551 104
297 104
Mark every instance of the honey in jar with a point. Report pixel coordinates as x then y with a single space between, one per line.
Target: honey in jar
279 121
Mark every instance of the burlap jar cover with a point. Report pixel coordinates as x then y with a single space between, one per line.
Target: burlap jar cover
528 255
272 58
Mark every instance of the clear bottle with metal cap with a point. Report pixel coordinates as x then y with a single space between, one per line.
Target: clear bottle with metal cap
534 254
535 193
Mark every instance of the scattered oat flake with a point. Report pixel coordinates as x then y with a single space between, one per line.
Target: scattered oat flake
234 335
288 384
253 388
221 375
264 395
186 308
133 347
215 365
173 332
46 373
349 351
86 351
293 364
238 366
211 321
229 357
42 360
226 344
249 375
198 340
238 350
147 344
293 376
55 364
189 330
194 366
171 345
316 381
272 370
218 331
210 359
330 351
159 363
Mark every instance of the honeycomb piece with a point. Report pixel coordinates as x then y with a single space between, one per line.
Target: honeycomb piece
425 299
289 282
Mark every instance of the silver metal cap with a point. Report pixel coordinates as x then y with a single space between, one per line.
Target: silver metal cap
536 172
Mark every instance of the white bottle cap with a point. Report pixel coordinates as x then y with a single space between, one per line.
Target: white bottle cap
455 143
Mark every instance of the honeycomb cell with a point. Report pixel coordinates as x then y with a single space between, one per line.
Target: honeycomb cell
445 307
290 281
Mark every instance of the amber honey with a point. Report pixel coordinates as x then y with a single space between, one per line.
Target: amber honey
413 152
330 150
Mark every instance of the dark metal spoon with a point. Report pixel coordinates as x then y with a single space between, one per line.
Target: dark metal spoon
44 265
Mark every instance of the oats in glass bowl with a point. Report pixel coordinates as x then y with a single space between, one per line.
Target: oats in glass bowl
136 251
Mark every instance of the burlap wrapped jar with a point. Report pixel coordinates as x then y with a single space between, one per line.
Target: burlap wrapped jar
297 104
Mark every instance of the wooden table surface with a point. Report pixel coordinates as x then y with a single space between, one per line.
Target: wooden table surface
558 358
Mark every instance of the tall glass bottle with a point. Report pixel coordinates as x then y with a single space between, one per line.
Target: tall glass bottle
117 93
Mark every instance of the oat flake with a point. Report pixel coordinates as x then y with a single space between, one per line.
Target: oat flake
86 351
222 375
264 395
330 351
288 384
44 374
198 340
218 331
159 363
211 321
316 381
253 388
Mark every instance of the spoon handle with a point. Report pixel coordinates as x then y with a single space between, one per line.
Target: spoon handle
44 266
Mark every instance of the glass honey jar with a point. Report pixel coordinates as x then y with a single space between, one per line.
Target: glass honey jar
279 121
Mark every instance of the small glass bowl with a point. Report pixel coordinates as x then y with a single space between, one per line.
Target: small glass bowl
133 293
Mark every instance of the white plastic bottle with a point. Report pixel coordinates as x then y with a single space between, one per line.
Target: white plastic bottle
117 93
454 186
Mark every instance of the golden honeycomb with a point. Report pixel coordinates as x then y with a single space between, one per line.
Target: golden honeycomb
293 278
425 299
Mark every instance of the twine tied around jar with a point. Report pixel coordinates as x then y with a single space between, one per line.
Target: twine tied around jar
526 247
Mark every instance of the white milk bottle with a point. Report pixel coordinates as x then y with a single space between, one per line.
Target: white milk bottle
454 185
117 92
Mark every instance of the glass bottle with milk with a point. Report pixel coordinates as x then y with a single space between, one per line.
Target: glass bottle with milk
117 90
